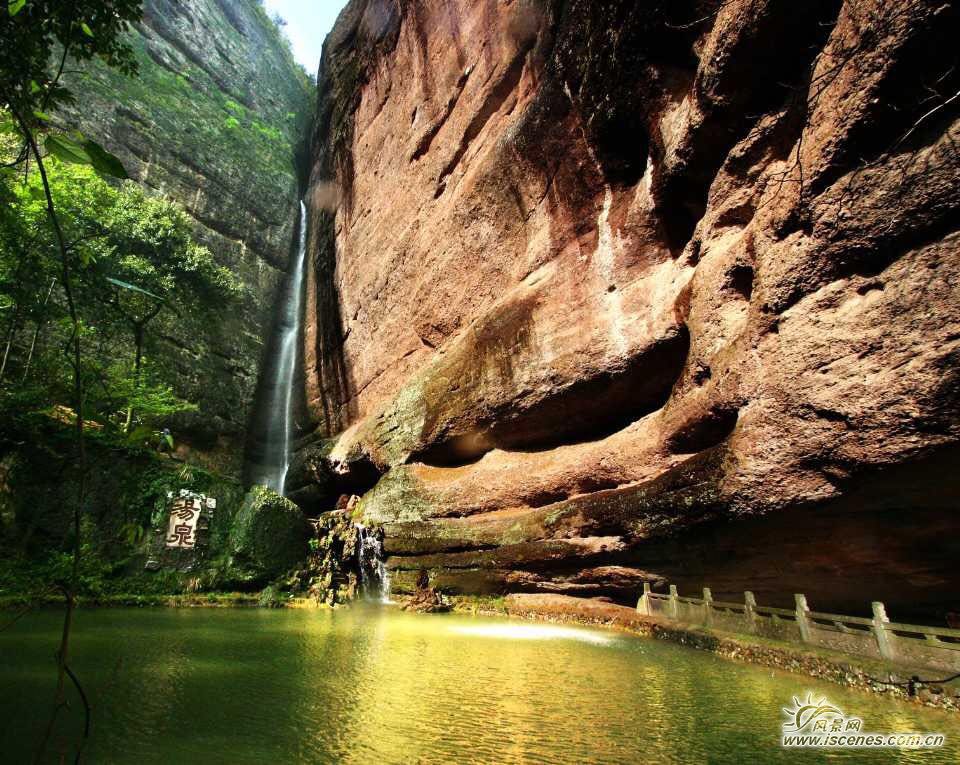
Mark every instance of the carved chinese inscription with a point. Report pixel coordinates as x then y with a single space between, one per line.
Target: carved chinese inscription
185 517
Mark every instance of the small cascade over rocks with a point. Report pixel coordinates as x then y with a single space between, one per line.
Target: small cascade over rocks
346 560
374 577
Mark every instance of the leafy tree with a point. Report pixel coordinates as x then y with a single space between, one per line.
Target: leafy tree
34 33
138 265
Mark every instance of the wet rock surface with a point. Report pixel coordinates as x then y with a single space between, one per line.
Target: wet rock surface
426 599
332 575
345 559
613 297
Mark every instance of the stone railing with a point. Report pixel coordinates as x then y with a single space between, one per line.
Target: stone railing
875 637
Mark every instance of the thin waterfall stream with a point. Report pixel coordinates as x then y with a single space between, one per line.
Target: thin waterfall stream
279 400
374 577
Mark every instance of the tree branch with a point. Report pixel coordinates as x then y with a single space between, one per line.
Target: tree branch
69 592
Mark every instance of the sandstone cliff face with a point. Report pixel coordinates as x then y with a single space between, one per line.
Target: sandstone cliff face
214 120
615 294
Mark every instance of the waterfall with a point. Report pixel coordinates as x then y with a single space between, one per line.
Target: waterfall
279 401
374 577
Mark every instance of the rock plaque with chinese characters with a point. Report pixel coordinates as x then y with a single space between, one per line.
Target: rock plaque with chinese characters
186 512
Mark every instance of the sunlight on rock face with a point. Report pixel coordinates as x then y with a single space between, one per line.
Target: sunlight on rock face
532 632
326 196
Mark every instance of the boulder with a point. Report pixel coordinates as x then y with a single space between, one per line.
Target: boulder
269 537
427 599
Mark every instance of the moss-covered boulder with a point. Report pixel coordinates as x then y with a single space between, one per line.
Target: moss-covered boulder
269 537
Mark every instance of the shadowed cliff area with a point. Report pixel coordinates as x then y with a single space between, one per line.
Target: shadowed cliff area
170 141
214 120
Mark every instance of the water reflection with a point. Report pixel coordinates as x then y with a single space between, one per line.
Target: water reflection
532 632
377 686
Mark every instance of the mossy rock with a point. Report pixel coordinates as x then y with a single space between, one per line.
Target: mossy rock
269 536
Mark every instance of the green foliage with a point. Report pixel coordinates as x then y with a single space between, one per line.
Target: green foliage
153 400
103 161
270 597
82 151
130 254
135 258
66 150
127 507
270 133
36 35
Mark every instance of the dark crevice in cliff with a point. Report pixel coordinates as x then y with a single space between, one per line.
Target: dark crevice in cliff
334 382
873 261
303 153
765 64
315 484
598 406
360 477
546 497
458 451
740 280
705 431
588 409
408 557
540 555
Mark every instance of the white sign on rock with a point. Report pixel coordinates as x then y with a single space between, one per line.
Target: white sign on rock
184 517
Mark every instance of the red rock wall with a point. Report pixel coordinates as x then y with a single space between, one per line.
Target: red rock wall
607 276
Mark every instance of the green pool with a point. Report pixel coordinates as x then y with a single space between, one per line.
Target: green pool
378 686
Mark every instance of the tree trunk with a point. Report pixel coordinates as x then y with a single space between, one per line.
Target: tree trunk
70 591
11 333
138 363
36 334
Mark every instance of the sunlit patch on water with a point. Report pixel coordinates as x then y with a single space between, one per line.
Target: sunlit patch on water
532 632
